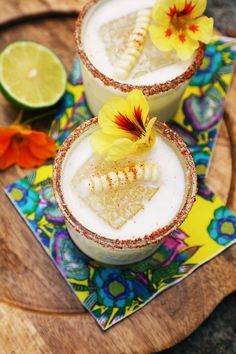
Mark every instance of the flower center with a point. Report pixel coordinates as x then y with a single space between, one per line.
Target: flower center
179 17
19 139
178 22
17 194
227 228
116 288
201 169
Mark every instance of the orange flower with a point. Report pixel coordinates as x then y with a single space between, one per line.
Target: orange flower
25 147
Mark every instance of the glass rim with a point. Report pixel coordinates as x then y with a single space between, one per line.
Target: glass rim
148 90
140 241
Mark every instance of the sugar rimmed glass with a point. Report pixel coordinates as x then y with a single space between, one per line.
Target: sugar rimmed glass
118 251
163 98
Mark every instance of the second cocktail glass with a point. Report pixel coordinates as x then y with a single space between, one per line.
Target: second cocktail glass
103 34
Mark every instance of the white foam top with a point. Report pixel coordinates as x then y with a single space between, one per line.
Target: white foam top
157 212
108 10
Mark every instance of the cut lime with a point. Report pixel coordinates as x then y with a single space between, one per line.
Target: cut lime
31 75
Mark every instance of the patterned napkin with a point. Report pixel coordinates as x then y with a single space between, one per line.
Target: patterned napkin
112 293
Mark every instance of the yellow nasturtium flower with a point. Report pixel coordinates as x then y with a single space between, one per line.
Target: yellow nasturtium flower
124 127
179 25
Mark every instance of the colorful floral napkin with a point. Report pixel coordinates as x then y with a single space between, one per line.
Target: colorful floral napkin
110 293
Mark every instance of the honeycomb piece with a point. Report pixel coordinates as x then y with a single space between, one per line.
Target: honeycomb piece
114 206
116 35
119 206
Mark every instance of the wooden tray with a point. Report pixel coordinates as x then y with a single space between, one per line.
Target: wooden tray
38 312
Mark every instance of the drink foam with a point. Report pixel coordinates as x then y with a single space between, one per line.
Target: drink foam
106 29
162 207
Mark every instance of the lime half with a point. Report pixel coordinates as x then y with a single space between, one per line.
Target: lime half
31 75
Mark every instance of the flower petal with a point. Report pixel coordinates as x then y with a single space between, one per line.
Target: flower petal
120 149
38 138
7 132
22 129
45 151
19 144
150 132
101 142
107 116
4 145
201 29
162 37
185 7
123 122
185 46
138 102
199 8
6 135
160 12
26 159
146 142
10 156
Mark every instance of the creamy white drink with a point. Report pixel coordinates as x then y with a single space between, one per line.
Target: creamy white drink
155 213
105 35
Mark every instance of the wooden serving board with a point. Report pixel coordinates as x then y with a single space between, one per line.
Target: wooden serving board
38 311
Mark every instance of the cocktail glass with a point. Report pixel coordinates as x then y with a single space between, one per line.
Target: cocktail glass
122 251
163 98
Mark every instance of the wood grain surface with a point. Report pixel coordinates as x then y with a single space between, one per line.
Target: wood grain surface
14 11
38 311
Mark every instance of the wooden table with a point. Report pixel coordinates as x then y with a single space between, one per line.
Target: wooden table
38 312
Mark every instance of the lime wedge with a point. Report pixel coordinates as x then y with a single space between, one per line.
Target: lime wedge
31 75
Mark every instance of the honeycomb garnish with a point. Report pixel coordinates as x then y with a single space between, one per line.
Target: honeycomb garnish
117 205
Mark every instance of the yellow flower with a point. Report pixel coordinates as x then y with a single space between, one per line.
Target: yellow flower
180 26
124 127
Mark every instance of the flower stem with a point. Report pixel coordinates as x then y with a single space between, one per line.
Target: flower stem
19 117
46 114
